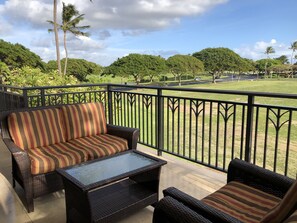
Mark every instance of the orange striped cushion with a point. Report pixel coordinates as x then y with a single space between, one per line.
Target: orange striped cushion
49 158
284 208
37 128
83 120
101 145
242 202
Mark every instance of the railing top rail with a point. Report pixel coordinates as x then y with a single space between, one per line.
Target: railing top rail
10 86
51 87
203 90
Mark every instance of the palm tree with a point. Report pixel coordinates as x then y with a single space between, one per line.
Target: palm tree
293 48
70 20
268 51
57 34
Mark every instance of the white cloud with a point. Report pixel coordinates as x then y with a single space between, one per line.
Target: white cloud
143 14
41 41
5 27
32 12
111 21
257 51
112 14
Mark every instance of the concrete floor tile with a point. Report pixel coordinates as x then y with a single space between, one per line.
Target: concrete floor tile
196 180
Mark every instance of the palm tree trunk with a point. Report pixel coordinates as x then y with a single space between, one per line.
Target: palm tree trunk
66 54
56 36
292 64
266 69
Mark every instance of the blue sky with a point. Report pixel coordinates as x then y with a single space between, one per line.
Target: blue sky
158 27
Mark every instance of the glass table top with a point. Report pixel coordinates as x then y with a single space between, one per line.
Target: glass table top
105 169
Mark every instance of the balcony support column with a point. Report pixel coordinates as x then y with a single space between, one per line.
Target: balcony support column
109 95
249 128
160 122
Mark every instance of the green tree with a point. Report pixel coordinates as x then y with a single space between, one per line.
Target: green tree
30 77
293 48
283 59
263 65
55 24
281 69
78 68
70 20
56 33
136 65
155 65
4 72
218 60
180 65
16 55
269 50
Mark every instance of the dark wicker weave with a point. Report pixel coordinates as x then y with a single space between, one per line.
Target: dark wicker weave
169 210
239 170
113 198
37 185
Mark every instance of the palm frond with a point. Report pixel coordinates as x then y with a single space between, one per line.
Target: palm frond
50 21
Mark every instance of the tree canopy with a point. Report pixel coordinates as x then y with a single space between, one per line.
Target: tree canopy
78 68
264 64
138 66
180 65
17 56
70 23
283 59
28 76
218 60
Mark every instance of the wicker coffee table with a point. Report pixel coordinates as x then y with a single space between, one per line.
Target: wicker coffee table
107 189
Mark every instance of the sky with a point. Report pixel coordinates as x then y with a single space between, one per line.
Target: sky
156 27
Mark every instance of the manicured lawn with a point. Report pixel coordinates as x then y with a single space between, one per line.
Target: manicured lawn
178 136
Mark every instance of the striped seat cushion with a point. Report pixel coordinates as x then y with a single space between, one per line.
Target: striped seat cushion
242 202
49 158
83 120
284 208
101 145
37 128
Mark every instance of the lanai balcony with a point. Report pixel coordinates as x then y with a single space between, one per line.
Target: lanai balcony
197 131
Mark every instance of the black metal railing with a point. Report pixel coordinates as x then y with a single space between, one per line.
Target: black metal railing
209 127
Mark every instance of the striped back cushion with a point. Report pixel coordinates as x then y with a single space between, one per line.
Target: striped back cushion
285 207
37 128
242 202
83 120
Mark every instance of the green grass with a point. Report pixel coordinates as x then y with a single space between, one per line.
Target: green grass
276 86
192 142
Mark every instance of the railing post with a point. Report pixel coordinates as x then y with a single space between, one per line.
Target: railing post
1 82
25 97
42 97
109 95
249 128
160 122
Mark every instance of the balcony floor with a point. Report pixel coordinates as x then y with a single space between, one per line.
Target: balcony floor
193 179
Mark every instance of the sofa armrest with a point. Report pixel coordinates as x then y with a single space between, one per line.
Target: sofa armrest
258 177
131 134
21 158
199 207
169 210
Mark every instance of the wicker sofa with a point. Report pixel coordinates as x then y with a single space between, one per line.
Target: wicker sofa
252 194
45 139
